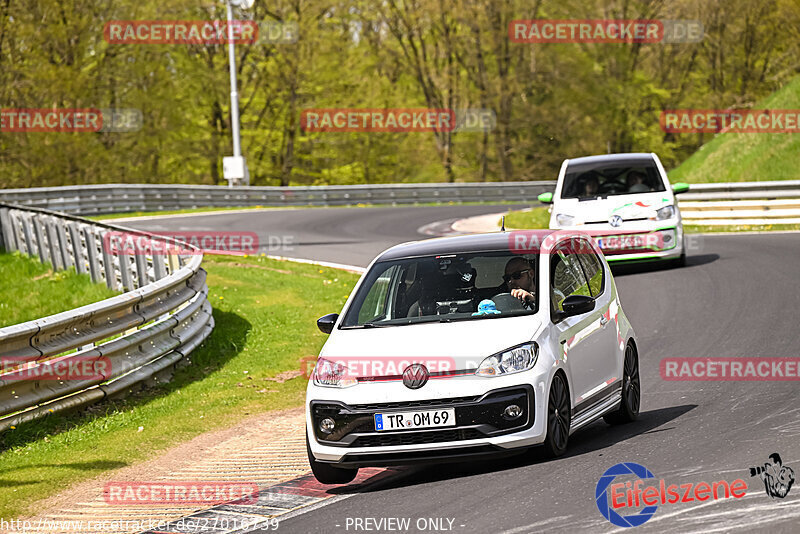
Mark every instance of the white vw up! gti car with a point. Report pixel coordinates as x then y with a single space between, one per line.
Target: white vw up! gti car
461 347
625 202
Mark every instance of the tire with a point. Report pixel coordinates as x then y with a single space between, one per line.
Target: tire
680 261
558 417
631 390
328 474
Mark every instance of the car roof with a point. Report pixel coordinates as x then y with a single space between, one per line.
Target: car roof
458 245
613 158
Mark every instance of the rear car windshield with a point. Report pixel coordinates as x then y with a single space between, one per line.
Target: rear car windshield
588 180
468 286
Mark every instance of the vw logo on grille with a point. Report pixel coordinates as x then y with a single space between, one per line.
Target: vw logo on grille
615 221
415 376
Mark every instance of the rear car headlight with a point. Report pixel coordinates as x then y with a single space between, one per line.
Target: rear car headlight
564 219
667 212
509 361
332 374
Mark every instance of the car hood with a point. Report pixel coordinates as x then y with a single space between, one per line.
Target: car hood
448 346
637 206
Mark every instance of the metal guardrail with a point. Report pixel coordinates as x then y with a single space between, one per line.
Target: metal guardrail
117 198
141 334
746 203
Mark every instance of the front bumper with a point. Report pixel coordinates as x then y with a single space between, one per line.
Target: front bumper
480 430
663 243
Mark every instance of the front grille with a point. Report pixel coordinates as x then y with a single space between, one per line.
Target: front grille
417 438
623 220
415 404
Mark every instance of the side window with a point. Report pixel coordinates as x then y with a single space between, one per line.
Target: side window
567 278
593 269
374 305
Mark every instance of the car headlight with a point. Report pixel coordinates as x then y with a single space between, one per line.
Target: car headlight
667 212
509 361
332 374
564 219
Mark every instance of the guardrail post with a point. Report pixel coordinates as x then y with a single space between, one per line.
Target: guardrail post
77 249
173 262
16 229
5 227
27 231
62 242
91 253
125 271
55 252
158 265
141 268
41 247
109 270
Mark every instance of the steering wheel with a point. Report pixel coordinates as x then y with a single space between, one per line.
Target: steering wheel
506 302
612 187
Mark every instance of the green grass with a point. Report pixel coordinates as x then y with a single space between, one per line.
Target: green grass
533 219
748 157
265 312
31 290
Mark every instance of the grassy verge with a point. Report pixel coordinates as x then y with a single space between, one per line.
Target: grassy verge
31 290
747 157
533 219
265 312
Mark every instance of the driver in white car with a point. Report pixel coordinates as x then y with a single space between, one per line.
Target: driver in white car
520 280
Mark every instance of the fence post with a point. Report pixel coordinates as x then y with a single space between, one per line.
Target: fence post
91 254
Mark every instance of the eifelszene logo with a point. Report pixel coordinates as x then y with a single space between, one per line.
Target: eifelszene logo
632 495
777 478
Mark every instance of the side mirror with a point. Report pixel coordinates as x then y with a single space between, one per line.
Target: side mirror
576 305
679 188
326 322
546 198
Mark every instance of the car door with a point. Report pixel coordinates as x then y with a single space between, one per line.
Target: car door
608 347
580 336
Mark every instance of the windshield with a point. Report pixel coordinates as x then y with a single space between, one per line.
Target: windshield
445 288
588 181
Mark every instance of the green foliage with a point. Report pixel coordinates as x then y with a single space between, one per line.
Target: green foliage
551 100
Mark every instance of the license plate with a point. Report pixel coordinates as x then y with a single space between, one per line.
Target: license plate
406 420
617 242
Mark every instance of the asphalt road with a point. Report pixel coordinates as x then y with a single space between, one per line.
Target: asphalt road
738 296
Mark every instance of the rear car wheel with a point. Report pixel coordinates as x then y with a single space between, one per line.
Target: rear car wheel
328 474
631 390
558 417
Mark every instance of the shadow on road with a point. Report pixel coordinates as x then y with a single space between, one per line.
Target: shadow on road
596 436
